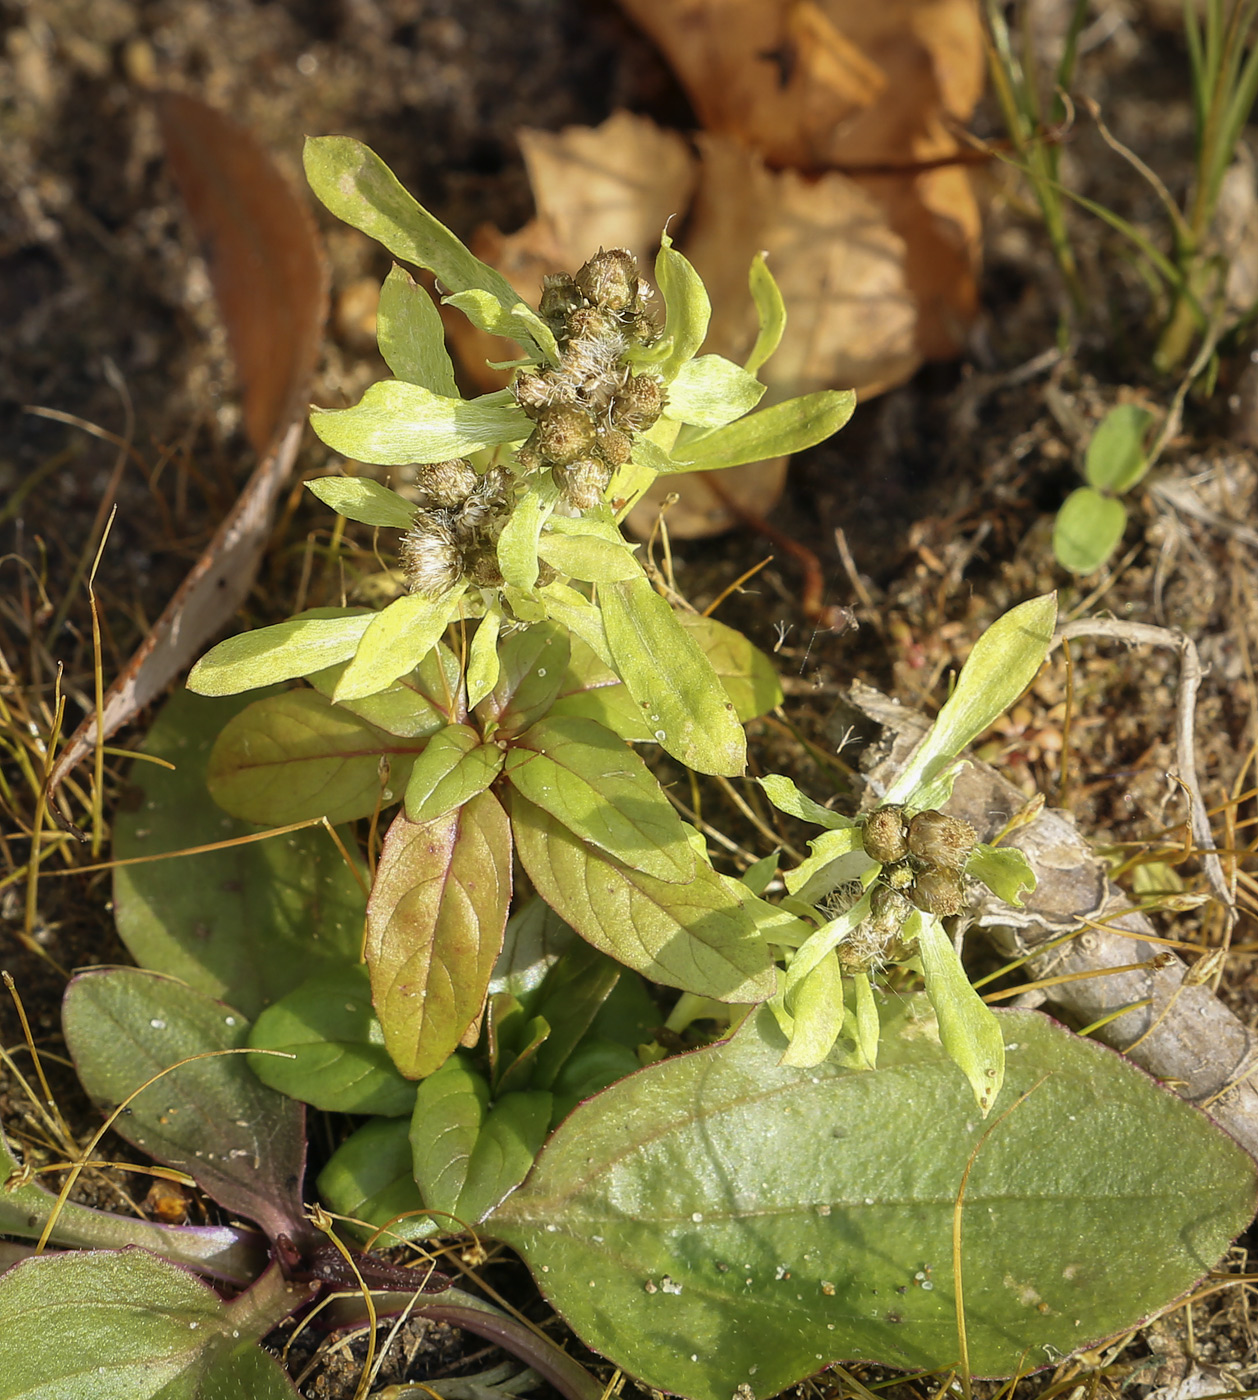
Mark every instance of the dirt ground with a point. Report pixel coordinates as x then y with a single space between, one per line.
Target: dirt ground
945 489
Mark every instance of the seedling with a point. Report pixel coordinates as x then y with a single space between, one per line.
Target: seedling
1091 522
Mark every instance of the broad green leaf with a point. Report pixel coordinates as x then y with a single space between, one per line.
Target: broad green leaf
838 857
1004 661
243 923
670 678
395 422
711 391
595 785
1088 529
298 647
339 1061
1005 871
211 1118
536 938
1116 458
589 558
868 1022
518 322
593 1065
482 659
359 498
572 995
517 545
396 642
532 664
687 309
369 1178
815 1005
758 876
592 690
224 1252
771 311
411 336
968 1028
746 1222
695 936
290 757
506 1146
357 186
786 797
435 923
743 669
452 769
129 1326
778 431
574 611
416 704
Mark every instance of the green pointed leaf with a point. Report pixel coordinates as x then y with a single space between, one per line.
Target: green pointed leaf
369 1179
711 391
968 1027
535 940
771 310
517 545
778 431
837 858
416 704
672 681
532 663
280 653
339 1062
518 322
130 1326
695 936
357 186
482 658
454 767
1004 661
435 922
1005 871
1088 529
757 877
242 923
1116 459
291 757
815 1005
396 642
785 1218
589 558
411 336
868 1022
574 611
359 498
744 670
786 797
687 308
211 1118
590 781
395 422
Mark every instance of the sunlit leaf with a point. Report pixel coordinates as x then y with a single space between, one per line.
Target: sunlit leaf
359 498
454 767
416 704
411 336
532 664
588 558
298 647
711 391
396 642
968 1027
786 797
1116 459
1005 871
778 431
771 311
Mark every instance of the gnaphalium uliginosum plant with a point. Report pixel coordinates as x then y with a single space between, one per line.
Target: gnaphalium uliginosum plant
517 527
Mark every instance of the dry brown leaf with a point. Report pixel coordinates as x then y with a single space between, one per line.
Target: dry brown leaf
271 282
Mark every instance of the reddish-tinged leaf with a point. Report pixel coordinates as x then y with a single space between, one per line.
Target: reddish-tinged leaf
435 923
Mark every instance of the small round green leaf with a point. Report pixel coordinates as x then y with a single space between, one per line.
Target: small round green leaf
1087 530
1116 458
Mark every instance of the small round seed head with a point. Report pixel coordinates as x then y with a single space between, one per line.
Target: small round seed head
446 484
940 841
861 950
610 279
940 892
638 404
536 390
482 567
884 837
560 297
888 909
614 447
898 876
430 559
564 433
583 482
593 323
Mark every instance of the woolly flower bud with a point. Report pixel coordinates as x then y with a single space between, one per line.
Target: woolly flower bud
884 836
940 892
614 447
582 482
610 279
482 567
446 485
563 434
560 298
940 841
430 559
638 404
535 391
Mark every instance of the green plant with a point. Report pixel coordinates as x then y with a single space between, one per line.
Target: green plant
818 1185
1092 519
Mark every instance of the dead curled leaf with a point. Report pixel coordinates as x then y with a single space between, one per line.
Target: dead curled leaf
824 122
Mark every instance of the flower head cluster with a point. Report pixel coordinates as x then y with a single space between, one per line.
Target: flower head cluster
588 406
455 531
923 857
